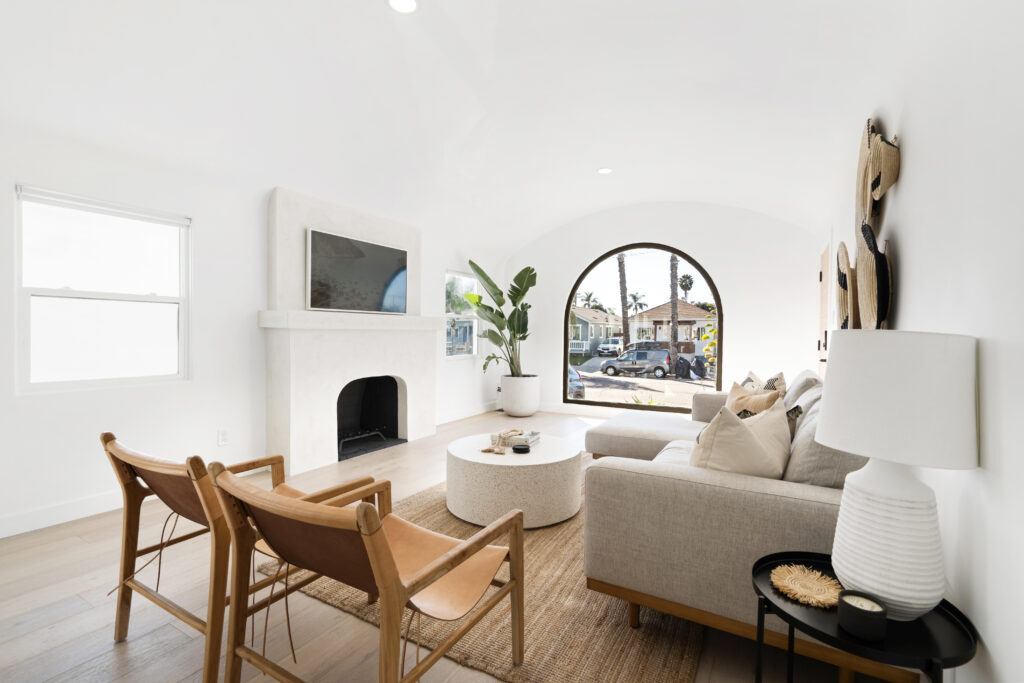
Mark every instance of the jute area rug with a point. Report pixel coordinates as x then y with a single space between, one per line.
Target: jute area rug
572 633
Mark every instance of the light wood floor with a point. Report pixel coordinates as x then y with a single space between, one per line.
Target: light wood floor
56 617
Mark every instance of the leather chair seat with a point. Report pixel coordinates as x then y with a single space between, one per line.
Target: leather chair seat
454 594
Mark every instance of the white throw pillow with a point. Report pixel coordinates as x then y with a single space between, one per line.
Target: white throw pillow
758 445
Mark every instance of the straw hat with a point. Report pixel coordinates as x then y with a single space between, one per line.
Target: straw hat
878 167
874 281
885 164
846 290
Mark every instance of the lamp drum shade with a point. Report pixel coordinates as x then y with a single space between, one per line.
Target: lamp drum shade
904 397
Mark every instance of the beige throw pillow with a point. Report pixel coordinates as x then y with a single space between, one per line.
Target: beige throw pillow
741 399
758 445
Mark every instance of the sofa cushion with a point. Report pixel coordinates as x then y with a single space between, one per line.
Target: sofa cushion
803 383
758 445
741 398
640 434
676 452
805 402
813 463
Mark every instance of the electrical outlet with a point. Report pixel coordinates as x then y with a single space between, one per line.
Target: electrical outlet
222 437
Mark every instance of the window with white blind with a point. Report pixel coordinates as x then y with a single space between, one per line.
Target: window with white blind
103 292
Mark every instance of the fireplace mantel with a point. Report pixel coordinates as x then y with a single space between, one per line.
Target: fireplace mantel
312 355
337 320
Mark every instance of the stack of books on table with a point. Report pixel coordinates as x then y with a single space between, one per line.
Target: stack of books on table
527 439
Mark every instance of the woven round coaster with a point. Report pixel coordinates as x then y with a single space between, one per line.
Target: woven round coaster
806 585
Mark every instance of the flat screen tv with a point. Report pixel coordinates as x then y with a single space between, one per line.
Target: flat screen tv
346 274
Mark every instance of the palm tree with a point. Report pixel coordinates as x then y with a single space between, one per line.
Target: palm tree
589 300
624 300
636 302
673 279
685 283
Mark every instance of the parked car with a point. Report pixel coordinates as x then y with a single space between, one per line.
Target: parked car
638 362
575 387
646 345
610 347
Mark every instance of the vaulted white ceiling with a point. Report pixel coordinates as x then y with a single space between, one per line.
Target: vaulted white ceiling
479 115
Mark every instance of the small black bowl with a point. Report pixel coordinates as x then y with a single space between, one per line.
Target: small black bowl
866 624
521 449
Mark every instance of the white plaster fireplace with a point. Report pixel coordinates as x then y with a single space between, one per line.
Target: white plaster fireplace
312 355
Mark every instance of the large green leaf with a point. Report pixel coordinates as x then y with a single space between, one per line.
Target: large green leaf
518 322
521 283
496 318
492 289
493 357
494 337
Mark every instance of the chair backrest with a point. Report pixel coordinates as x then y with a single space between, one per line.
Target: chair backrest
327 540
168 480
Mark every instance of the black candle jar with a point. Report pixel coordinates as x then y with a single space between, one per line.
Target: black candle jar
862 615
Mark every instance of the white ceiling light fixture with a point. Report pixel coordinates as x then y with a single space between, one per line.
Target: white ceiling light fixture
403 6
604 170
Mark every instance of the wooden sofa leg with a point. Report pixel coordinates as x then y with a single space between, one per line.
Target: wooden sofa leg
634 615
847 675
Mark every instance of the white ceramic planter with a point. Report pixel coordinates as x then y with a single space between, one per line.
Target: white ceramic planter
520 396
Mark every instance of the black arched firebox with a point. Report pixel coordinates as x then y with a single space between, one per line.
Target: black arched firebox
367 416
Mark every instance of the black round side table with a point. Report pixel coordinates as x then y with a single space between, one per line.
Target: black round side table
941 639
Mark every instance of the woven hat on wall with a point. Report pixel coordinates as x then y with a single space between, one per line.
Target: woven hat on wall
874 281
864 199
846 290
884 165
878 167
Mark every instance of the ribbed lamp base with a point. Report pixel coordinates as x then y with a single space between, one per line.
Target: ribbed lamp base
887 539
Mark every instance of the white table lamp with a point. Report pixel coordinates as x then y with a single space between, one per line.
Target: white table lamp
902 399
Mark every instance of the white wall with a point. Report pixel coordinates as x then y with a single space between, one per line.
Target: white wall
766 272
54 468
954 221
463 389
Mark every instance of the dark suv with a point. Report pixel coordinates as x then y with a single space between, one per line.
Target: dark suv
638 362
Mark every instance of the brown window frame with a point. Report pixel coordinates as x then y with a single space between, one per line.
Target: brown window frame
568 310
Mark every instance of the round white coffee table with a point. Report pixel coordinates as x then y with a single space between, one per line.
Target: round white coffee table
545 483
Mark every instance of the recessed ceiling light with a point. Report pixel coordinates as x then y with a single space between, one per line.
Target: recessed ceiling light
403 6
604 171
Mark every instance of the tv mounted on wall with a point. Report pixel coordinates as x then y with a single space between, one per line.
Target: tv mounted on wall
345 274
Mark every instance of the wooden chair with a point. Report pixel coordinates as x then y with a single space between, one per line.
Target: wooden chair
187 490
367 547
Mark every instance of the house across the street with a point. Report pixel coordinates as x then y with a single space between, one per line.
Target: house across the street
588 327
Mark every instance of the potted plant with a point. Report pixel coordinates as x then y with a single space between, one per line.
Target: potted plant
520 394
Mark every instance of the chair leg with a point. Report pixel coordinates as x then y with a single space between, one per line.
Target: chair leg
129 548
517 595
240 566
220 553
634 615
371 598
390 639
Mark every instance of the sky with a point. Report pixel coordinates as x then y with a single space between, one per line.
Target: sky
647 272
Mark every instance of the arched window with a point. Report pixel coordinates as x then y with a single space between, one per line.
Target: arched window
624 346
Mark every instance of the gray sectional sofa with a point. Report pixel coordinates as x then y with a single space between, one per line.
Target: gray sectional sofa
680 539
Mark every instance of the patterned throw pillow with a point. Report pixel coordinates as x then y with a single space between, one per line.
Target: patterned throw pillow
776 382
792 415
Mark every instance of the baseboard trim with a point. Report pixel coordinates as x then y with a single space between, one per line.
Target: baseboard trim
48 515
807 648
